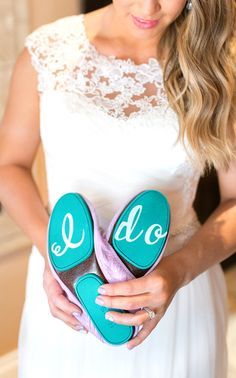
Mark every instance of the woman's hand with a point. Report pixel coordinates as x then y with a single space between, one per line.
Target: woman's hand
155 291
59 305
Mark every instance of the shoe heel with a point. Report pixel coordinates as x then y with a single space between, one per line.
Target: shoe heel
113 333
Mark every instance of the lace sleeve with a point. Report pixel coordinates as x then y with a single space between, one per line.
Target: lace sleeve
51 46
37 46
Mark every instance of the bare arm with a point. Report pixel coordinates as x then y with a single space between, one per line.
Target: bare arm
216 239
19 141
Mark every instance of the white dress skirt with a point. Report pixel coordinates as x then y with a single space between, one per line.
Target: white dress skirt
108 133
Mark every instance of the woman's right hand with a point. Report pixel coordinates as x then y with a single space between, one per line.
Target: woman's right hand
59 305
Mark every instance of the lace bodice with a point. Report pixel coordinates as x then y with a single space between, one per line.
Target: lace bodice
119 87
106 126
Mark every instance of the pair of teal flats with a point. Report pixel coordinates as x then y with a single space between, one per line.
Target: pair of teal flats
82 257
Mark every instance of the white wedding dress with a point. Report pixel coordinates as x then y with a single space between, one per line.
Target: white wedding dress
108 133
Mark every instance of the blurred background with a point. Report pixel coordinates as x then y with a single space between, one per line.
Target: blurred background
19 18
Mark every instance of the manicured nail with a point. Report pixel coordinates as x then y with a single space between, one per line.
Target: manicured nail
109 317
101 290
83 331
79 327
76 314
99 301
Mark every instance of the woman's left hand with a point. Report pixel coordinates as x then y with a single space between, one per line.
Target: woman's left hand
155 291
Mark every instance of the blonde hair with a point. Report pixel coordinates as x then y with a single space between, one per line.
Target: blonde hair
200 79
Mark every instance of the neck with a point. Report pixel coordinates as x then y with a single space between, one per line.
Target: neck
135 45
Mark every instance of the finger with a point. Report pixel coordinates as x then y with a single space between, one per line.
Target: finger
126 303
132 287
62 303
51 286
126 318
147 328
78 328
68 319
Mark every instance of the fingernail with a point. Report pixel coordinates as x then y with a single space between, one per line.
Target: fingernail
101 290
109 317
76 314
99 301
79 327
83 331
129 347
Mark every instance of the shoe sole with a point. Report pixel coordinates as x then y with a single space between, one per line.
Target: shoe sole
141 231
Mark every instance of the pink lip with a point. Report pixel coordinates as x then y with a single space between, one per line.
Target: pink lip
144 24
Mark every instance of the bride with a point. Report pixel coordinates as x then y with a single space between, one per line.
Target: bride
139 94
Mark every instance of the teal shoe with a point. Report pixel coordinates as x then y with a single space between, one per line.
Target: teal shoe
138 235
72 230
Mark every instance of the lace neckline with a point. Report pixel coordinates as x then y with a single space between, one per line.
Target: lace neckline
152 62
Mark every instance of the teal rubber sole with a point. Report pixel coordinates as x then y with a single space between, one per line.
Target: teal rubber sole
70 243
70 235
113 333
141 231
